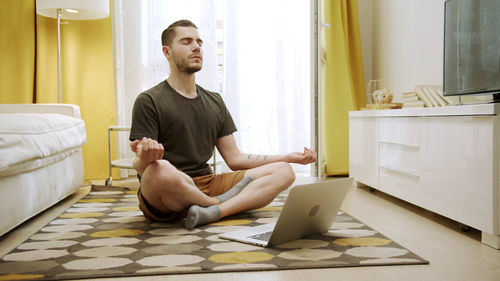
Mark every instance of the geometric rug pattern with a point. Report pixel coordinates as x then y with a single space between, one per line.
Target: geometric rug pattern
105 235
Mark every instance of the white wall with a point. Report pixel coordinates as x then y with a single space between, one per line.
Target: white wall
365 13
402 42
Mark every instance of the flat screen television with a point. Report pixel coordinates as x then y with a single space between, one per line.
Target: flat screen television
472 48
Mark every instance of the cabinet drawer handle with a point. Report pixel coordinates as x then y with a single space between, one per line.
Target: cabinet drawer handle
400 171
402 144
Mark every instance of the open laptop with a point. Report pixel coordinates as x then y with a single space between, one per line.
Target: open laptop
309 209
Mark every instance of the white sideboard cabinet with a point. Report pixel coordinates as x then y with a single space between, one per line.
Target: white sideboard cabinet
444 159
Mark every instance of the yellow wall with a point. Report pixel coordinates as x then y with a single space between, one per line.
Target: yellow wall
86 67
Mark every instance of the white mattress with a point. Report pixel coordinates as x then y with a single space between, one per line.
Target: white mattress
30 141
27 194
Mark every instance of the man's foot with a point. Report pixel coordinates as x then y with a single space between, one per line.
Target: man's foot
198 216
234 190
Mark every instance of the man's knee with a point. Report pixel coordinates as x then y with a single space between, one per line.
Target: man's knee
159 175
286 172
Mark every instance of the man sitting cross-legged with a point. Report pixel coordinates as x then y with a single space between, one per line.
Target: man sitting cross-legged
175 127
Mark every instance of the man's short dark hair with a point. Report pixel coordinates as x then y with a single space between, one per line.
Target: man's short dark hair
168 34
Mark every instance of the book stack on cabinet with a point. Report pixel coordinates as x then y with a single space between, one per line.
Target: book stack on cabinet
432 96
426 96
411 100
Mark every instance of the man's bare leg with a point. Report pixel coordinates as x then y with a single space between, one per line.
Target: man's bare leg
237 188
170 190
269 181
201 215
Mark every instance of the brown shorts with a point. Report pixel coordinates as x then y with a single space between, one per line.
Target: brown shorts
212 185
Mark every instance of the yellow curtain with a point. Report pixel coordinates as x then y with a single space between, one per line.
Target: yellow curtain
17 51
343 82
86 71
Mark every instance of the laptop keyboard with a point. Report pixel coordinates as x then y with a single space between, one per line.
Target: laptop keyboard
262 236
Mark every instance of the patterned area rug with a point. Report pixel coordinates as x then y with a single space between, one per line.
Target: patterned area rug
105 235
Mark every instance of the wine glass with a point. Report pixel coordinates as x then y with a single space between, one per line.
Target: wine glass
374 85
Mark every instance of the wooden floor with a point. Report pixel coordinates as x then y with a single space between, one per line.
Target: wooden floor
453 254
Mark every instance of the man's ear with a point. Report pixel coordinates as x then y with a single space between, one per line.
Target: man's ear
166 52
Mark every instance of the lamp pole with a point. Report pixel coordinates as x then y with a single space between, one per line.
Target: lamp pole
94 9
59 14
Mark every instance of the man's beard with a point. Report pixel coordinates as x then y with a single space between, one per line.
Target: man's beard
183 65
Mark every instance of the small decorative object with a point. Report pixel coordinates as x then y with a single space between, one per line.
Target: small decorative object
379 96
382 96
372 87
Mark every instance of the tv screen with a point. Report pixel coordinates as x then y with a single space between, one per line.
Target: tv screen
471 47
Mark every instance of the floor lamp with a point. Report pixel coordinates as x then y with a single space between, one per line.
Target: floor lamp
71 10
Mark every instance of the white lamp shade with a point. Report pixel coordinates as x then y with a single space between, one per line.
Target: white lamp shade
86 9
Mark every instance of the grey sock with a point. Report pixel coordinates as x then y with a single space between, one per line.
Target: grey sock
198 215
235 189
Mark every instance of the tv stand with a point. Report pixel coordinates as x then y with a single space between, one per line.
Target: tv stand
444 159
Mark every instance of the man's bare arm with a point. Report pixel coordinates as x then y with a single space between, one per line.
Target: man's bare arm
237 160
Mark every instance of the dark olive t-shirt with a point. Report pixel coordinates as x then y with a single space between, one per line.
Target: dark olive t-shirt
187 128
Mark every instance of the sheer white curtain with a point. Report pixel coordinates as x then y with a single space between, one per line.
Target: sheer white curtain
266 64
140 64
267 74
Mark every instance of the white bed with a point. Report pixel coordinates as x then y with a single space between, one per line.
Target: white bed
40 158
